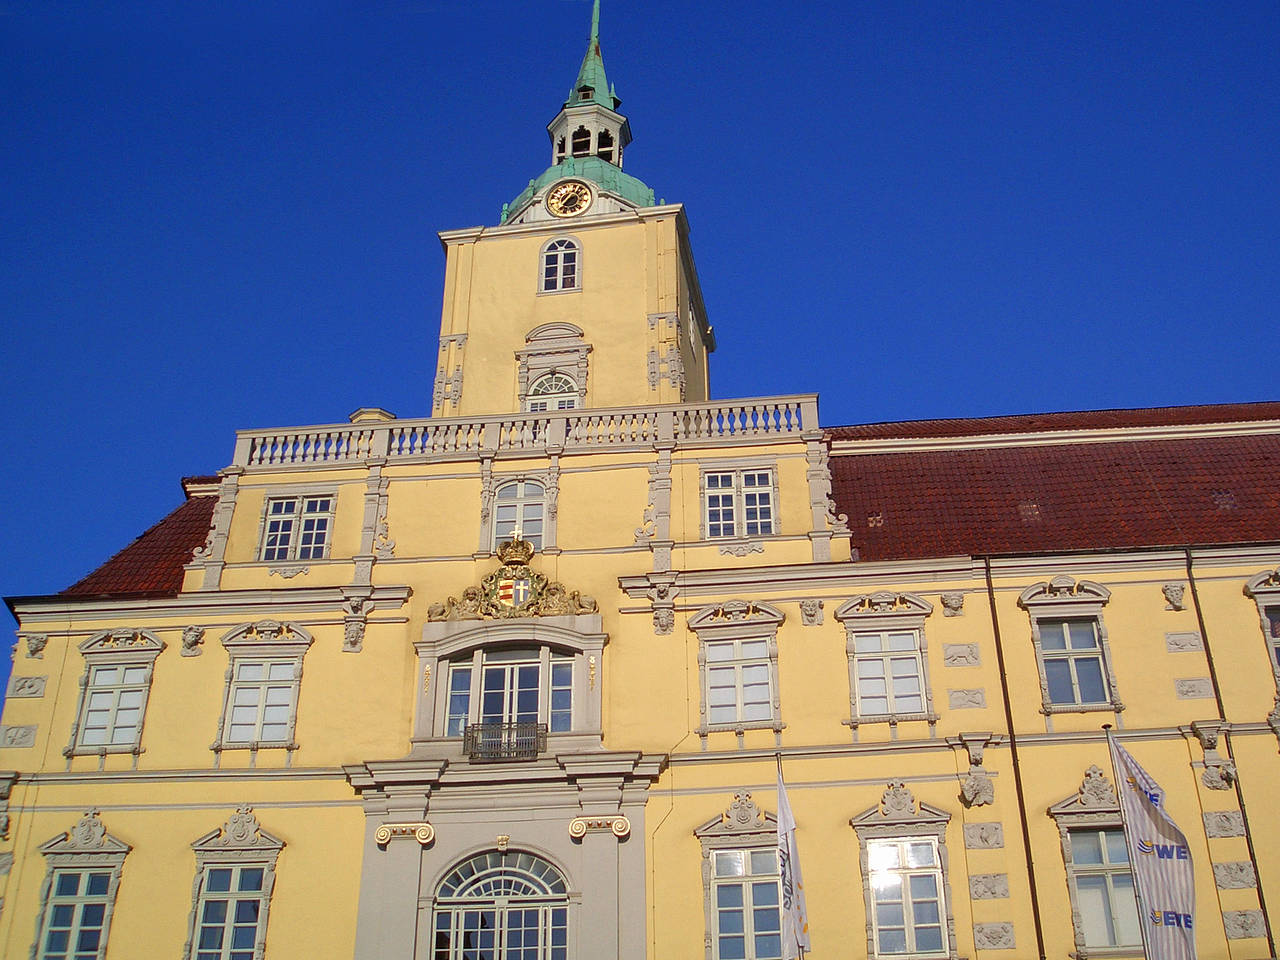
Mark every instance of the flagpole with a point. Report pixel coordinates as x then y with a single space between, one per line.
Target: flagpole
1128 845
778 757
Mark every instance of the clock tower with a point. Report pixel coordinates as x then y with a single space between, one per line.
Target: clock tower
585 294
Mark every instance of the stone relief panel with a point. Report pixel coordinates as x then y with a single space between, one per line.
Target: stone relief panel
18 737
26 687
989 886
967 699
993 936
961 655
1182 642
1193 688
1224 823
1243 924
36 642
1234 876
953 604
811 613
984 836
1173 596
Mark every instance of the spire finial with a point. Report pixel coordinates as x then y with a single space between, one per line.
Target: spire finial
595 22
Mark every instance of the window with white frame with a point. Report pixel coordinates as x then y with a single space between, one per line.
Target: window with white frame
1264 588
888 658
114 692
264 675
738 503
231 895
1104 887
519 508
738 666
297 528
560 266
511 685
79 892
1104 911
1273 634
904 875
555 391
1071 646
741 883
511 905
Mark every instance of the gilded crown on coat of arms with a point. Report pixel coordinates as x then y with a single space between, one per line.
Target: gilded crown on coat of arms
515 551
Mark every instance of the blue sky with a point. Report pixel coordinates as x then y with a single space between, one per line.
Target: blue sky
222 215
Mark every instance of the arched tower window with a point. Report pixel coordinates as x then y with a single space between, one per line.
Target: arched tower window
555 391
560 265
559 149
604 146
495 904
581 142
519 506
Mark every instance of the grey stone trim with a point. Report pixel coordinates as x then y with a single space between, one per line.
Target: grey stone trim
17 737
898 816
556 347
1223 823
288 571
85 845
993 936
983 836
269 639
825 521
1195 688
1065 597
737 620
6 863
742 826
1182 642
444 641
967 699
1264 589
1236 875
448 382
961 654
878 612
989 886
241 841
128 646
977 789
1219 771
1243 924
21 688
213 554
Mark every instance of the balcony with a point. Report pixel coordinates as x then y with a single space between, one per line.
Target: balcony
584 430
498 742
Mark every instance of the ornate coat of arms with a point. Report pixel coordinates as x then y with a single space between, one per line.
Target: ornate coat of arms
513 590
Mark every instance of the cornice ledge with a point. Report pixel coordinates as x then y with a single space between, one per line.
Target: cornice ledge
380 774
628 763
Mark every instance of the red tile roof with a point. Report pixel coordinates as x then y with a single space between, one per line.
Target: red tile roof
1066 496
1078 420
153 563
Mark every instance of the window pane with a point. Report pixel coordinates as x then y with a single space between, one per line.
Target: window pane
1089 677
1117 852
920 855
729 894
764 862
97 885
728 863
1082 633
1086 847
68 884
1095 911
219 880
1058 674
1126 909
1052 635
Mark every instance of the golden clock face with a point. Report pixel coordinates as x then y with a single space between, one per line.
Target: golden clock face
569 199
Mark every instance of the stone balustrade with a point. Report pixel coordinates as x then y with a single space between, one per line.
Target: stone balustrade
724 422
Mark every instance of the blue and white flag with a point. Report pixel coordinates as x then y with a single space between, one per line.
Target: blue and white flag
795 918
1161 865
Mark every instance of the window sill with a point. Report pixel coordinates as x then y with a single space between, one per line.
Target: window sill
85 750
1054 708
890 718
773 724
556 293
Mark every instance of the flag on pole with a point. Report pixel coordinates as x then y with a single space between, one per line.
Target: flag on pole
795 919
1162 871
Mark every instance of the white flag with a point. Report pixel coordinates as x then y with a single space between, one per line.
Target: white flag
795 919
1162 870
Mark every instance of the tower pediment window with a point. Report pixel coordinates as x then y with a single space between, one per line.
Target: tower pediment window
561 260
581 140
555 391
604 146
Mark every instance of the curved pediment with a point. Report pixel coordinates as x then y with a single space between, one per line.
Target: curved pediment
736 611
885 603
1064 589
558 330
127 640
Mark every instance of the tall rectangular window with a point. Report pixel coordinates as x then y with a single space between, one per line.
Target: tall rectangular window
1104 887
512 686
888 672
1073 668
230 912
75 915
744 895
739 503
297 528
115 699
262 701
1273 635
738 681
908 912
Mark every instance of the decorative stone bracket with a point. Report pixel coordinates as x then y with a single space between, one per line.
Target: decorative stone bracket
420 830
618 825
1219 771
977 789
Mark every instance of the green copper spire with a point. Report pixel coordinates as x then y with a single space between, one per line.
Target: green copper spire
592 87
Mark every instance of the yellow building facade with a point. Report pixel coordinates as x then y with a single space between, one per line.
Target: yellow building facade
516 680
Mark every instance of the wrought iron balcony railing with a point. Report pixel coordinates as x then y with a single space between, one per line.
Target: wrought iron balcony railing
490 742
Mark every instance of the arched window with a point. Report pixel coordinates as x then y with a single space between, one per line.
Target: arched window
559 149
604 146
560 265
519 507
496 904
555 391
581 142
